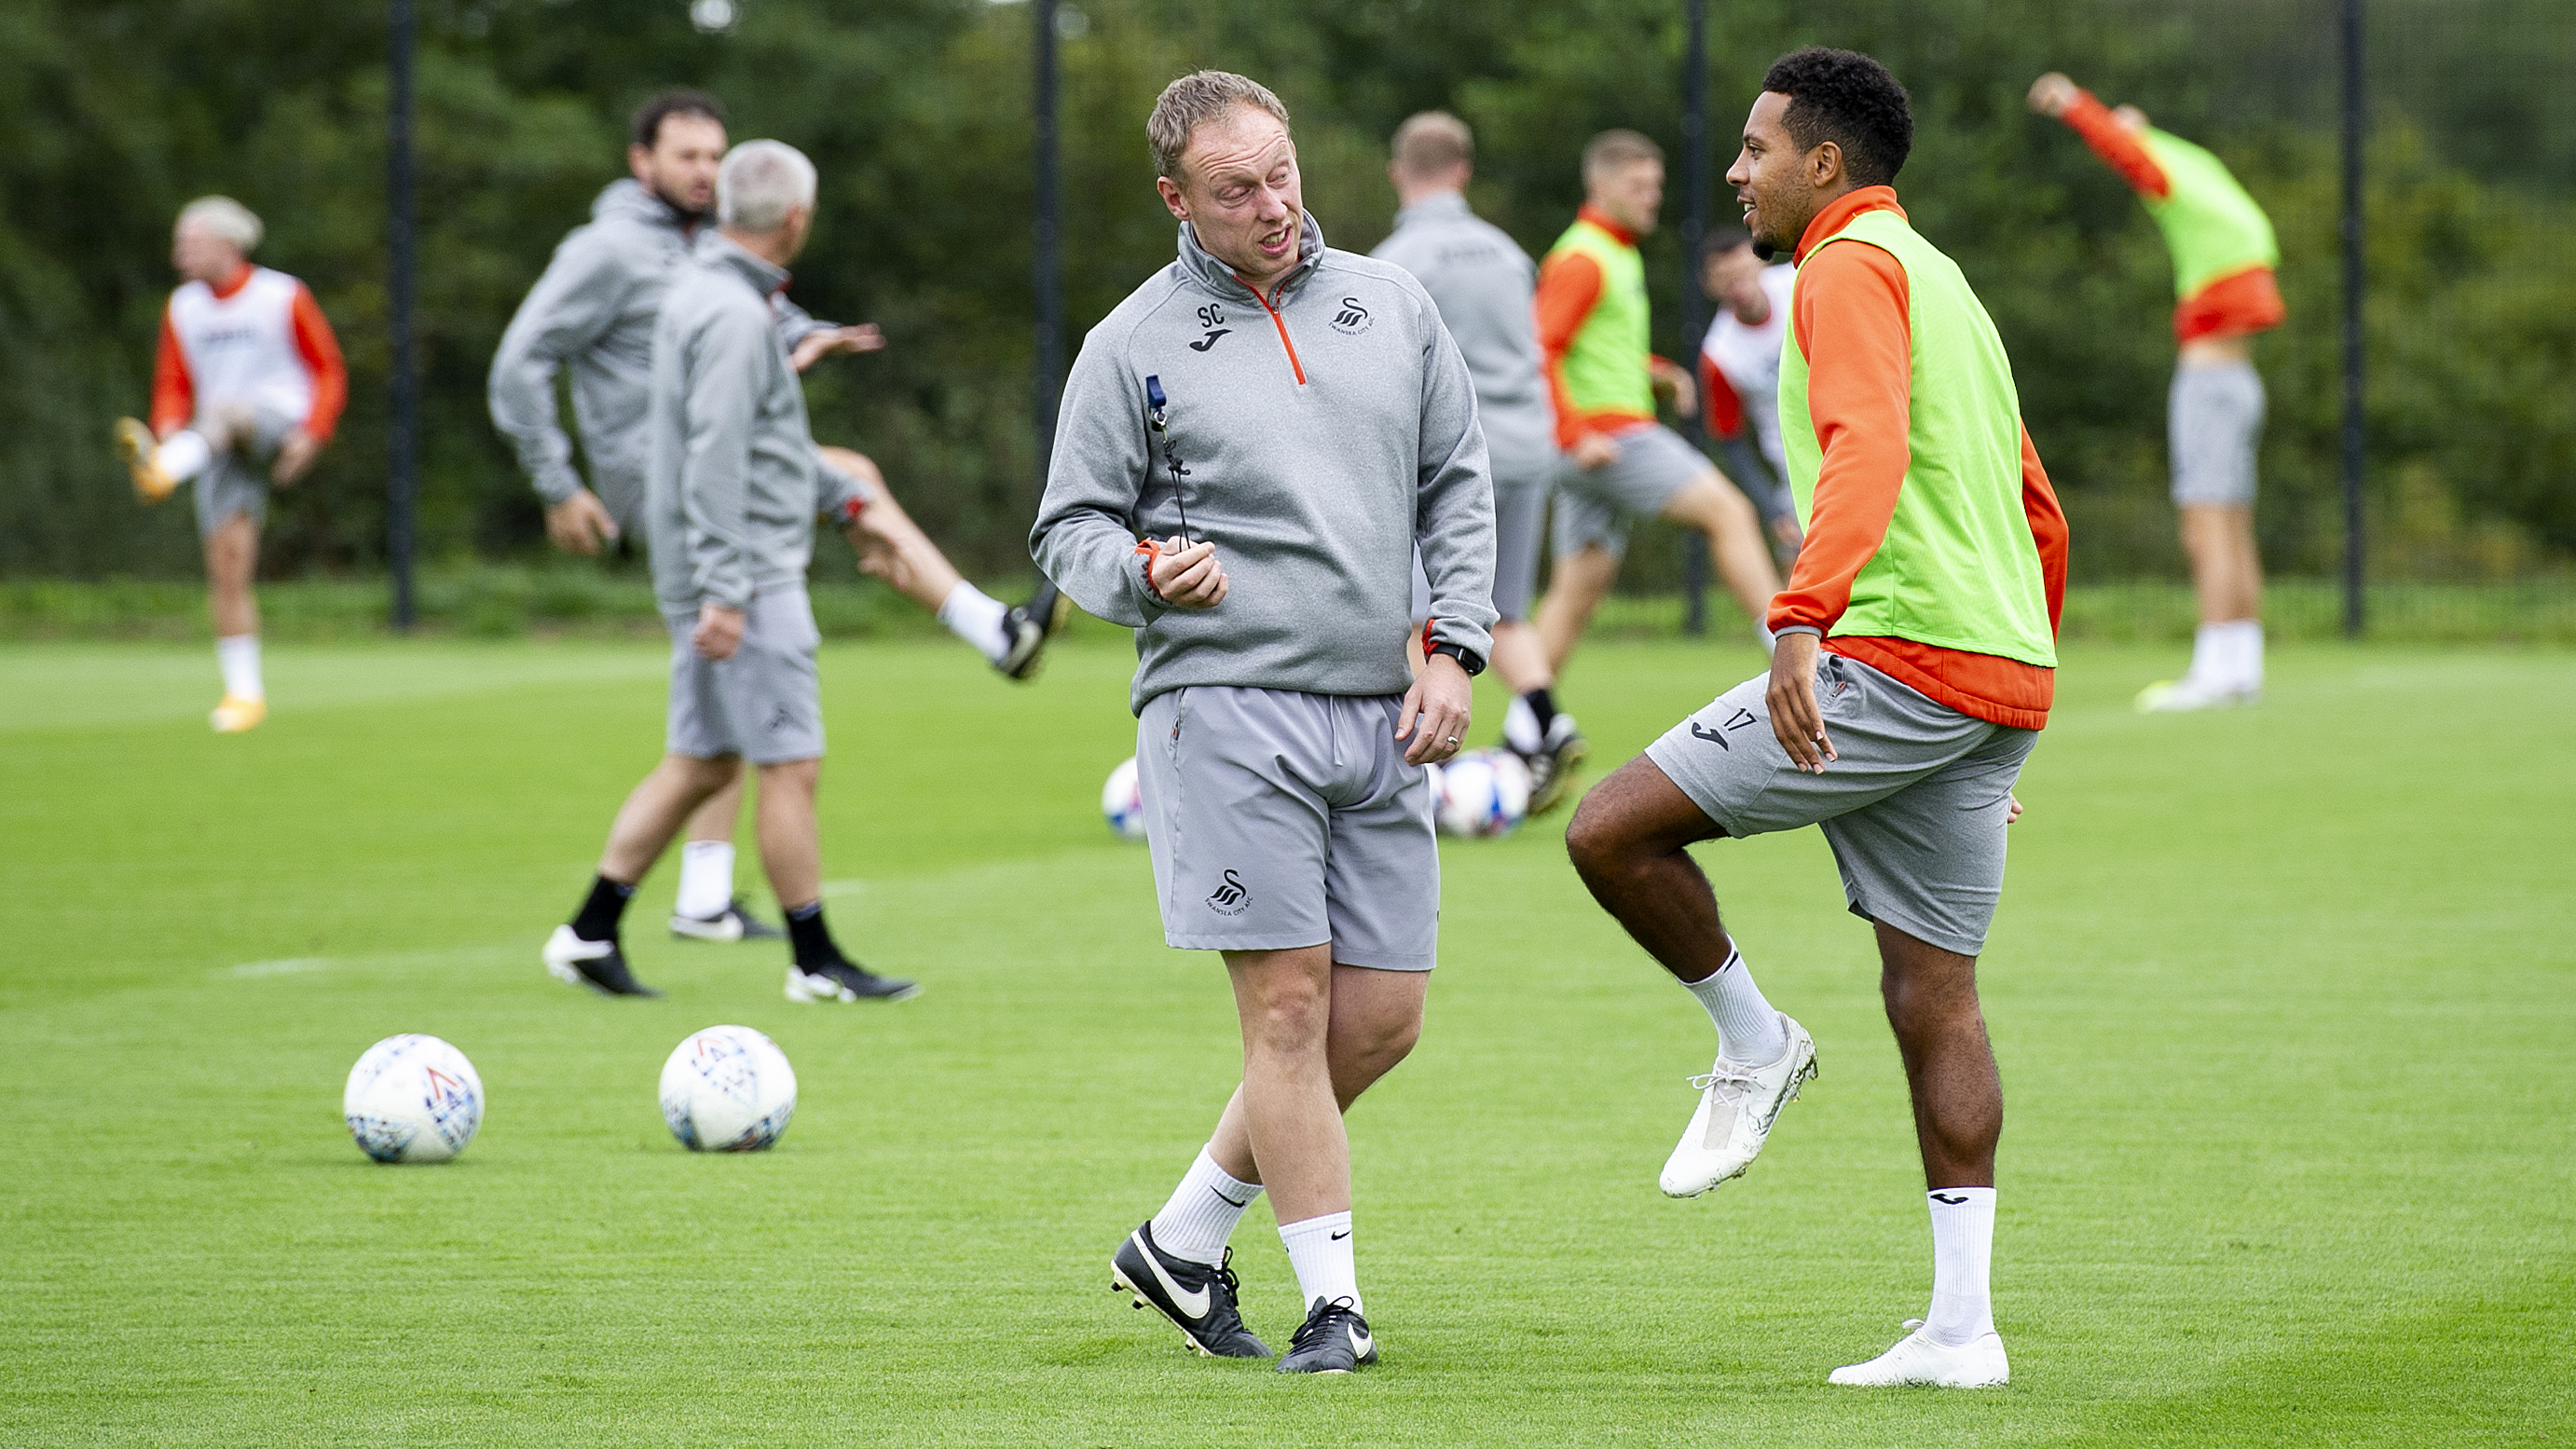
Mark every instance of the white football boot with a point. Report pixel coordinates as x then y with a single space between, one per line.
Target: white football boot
2191 692
1737 1105
1917 1360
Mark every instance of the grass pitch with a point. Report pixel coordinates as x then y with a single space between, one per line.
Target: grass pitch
2284 1000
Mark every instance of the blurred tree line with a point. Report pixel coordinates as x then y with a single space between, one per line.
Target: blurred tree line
916 111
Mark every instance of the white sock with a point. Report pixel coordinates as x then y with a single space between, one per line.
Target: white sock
1963 1251
2208 654
1520 727
2245 653
185 455
1203 1212
1748 1029
976 617
706 878
1320 1250
239 658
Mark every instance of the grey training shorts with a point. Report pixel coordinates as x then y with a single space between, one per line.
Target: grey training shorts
765 703
2213 421
1596 505
1281 819
1914 804
1520 521
236 479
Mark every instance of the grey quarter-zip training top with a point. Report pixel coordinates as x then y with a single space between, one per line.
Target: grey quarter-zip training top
732 483
1318 433
592 313
1486 288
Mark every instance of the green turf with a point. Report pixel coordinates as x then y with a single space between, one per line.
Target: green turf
2284 999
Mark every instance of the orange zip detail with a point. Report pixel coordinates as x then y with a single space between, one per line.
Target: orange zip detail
1282 324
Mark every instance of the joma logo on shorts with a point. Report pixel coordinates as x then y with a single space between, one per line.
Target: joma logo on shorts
1232 898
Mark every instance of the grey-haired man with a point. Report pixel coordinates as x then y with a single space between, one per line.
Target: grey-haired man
1282 425
592 315
733 485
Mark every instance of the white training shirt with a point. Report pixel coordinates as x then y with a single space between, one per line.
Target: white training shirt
1749 359
242 350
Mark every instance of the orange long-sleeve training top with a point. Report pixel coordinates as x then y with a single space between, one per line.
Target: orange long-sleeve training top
174 390
1850 318
2239 304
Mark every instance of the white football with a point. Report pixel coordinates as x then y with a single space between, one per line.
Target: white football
1481 793
1122 801
728 1089
413 1098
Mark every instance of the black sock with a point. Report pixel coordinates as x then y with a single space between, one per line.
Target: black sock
604 908
811 939
1541 706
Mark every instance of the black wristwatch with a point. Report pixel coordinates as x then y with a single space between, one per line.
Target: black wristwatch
1468 659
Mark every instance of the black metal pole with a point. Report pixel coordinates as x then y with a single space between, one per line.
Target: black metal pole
2355 568
402 471
1046 275
1695 184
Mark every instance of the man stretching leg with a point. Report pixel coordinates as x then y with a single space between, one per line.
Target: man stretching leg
732 488
592 314
2224 254
248 373
1483 283
1914 669
1324 432
1620 464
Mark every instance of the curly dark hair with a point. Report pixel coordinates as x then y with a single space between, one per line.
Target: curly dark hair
1847 98
645 127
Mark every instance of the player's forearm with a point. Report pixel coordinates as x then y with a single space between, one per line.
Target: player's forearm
2119 149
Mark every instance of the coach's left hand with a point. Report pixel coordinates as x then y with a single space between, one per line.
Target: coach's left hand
295 453
719 631
1435 712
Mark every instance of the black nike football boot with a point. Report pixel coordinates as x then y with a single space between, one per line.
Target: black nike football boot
1334 1339
1197 1298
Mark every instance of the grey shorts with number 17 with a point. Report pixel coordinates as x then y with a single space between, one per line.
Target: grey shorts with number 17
1914 803
1280 819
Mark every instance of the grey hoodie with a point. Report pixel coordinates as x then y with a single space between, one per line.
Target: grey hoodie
732 482
1486 288
1320 442
593 311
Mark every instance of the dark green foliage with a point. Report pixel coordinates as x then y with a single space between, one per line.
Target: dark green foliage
917 113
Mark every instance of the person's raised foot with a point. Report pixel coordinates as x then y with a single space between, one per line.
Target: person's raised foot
237 714
1334 1339
599 965
141 454
1737 1105
1917 1360
842 981
1199 1300
1029 626
1556 764
2177 696
733 923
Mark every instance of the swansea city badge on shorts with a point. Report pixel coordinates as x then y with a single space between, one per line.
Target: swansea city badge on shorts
1232 898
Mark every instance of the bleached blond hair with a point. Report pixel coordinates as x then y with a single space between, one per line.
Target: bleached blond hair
225 218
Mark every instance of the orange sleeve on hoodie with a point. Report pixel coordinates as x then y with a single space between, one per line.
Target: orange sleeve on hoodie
1860 387
320 349
2120 150
174 392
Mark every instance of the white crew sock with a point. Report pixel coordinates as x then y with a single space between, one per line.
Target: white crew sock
184 455
2245 653
1748 1029
239 658
2208 654
1320 1250
1203 1212
706 878
1520 727
976 617
1963 1251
